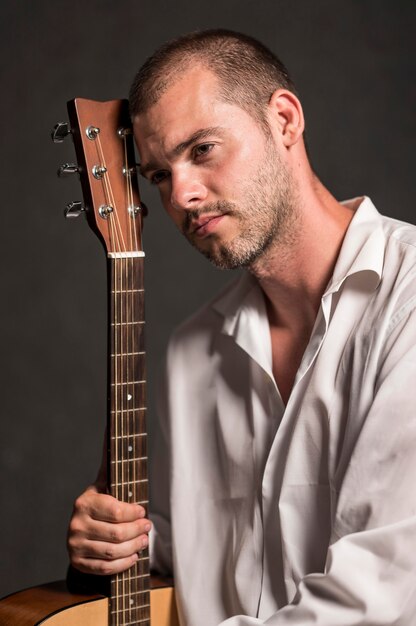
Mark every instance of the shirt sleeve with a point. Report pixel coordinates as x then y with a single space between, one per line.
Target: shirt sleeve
370 573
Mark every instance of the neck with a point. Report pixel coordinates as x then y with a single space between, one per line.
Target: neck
294 272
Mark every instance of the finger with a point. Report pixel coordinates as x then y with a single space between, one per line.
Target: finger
116 533
103 507
110 551
101 567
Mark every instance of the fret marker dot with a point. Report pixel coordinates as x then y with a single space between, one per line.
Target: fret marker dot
131 601
130 448
129 396
130 494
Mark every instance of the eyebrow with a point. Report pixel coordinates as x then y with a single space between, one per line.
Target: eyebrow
199 135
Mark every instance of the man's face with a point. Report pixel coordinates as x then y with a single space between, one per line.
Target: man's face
220 176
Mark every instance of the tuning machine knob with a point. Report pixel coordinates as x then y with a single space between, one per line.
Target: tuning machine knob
67 169
60 131
74 209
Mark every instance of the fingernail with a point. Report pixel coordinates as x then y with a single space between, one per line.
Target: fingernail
145 542
147 527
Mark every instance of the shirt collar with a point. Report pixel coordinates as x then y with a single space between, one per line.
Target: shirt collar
245 318
242 306
363 247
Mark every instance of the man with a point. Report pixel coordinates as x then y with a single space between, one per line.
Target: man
284 489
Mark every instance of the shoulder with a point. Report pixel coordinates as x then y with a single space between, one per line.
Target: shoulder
399 263
394 303
399 234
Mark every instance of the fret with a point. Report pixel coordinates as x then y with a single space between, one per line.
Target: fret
138 466
127 291
138 568
123 446
144 577
127 323
127 361
137 593
139 577
133 493
129 483
126 327
138 458
127 275
133 435
145 621
121 412
135 408
128 397
129 382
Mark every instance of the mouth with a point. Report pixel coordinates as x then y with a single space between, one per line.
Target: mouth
205 225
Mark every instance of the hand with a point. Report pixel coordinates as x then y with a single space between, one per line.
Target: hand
106 535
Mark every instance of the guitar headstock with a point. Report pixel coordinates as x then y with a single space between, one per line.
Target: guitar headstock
104 148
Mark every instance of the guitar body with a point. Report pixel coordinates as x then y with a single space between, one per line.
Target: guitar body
54 605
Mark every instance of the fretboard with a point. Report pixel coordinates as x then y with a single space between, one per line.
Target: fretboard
127 458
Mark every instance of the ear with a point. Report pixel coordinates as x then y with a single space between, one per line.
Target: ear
286 116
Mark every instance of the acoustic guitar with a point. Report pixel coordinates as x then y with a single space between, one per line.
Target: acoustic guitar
104 147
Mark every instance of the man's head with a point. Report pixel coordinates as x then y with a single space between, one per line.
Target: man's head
247 71
218 127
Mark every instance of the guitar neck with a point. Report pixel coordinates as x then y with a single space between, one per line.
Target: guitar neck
106 165
127 437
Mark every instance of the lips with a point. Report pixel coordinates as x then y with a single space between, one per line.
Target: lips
205 224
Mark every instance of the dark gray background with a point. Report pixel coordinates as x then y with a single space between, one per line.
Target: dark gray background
354 62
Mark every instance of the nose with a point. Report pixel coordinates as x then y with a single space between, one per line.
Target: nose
187 191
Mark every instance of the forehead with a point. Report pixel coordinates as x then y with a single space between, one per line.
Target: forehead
192 102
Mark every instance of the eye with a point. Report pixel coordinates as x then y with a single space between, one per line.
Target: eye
159 176
202 149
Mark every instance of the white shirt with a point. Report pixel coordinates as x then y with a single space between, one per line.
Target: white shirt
303 514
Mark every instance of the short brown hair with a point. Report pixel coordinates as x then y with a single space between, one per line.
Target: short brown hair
248 72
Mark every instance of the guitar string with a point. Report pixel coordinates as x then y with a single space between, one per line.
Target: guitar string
118 441
126 576
126 392
115 245
141 487
109 194
131 332
114 430
114 240
134 371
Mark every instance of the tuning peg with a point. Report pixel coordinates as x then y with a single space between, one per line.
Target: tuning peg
68 168
74 209
60 131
